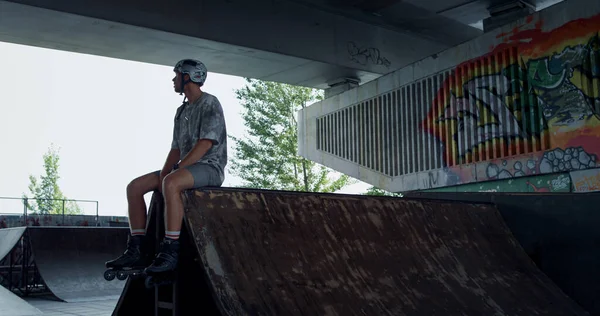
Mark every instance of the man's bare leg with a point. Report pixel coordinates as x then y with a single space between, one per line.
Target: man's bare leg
135 254
173 185
136 203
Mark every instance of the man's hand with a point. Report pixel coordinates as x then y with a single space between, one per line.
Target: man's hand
198 151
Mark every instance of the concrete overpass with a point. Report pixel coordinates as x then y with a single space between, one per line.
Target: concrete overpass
315 43
418 96
515 109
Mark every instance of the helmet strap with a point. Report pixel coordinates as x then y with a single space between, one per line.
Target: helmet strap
183 83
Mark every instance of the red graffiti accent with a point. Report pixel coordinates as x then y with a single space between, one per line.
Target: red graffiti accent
591 143
535 42
536 189
529 19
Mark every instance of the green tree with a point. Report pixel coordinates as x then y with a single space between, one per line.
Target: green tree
267 158
381 192
47 196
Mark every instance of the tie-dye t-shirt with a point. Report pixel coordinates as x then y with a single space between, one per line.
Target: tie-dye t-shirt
202 119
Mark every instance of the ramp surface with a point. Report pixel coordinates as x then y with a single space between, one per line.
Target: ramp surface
276 253
559 231
71 260
9 237
12 305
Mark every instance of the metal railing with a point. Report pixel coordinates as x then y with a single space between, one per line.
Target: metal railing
26 205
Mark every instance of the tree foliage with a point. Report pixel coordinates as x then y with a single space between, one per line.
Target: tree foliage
267 157
381 192
47 195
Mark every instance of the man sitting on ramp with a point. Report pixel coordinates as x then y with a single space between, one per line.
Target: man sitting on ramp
197 158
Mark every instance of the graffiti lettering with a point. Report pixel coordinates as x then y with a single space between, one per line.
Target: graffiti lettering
561 183
433 179
496 112
479 100
364 55
586 181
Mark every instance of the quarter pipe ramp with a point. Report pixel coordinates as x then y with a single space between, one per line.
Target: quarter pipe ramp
273 253
9 237
12 305
71 259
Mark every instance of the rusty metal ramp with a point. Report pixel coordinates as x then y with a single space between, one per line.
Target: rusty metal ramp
285 253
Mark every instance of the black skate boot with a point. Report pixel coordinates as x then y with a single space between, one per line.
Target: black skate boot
162 269
132 261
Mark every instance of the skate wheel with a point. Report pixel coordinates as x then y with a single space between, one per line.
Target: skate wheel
109 275
136 275
149 282
121 275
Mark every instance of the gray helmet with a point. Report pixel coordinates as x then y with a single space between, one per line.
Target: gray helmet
194 68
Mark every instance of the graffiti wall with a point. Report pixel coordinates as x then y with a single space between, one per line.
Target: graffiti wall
576 181
546 183
530 106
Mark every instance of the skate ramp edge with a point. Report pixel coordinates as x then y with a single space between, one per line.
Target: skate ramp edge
12 305
71 260
9 237
559 231
273 253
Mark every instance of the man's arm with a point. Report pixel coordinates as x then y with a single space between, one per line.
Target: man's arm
172 159
197 152
175 152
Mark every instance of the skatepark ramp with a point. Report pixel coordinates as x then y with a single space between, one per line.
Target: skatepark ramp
257 252
70 260
12 305
559 231
9 237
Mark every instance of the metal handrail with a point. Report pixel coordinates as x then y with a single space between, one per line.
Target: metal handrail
26 199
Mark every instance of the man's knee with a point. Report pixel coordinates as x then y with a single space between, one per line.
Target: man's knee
134 188
170 185
140 186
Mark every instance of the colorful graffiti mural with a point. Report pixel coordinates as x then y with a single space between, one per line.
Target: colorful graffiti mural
530 106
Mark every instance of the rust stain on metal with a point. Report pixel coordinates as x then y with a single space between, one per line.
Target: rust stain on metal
284 253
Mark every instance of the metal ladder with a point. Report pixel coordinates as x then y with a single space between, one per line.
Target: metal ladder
165 296
165 300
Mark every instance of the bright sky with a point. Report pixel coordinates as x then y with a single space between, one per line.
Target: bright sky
111 118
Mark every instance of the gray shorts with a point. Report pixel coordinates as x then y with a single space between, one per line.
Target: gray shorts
204 175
